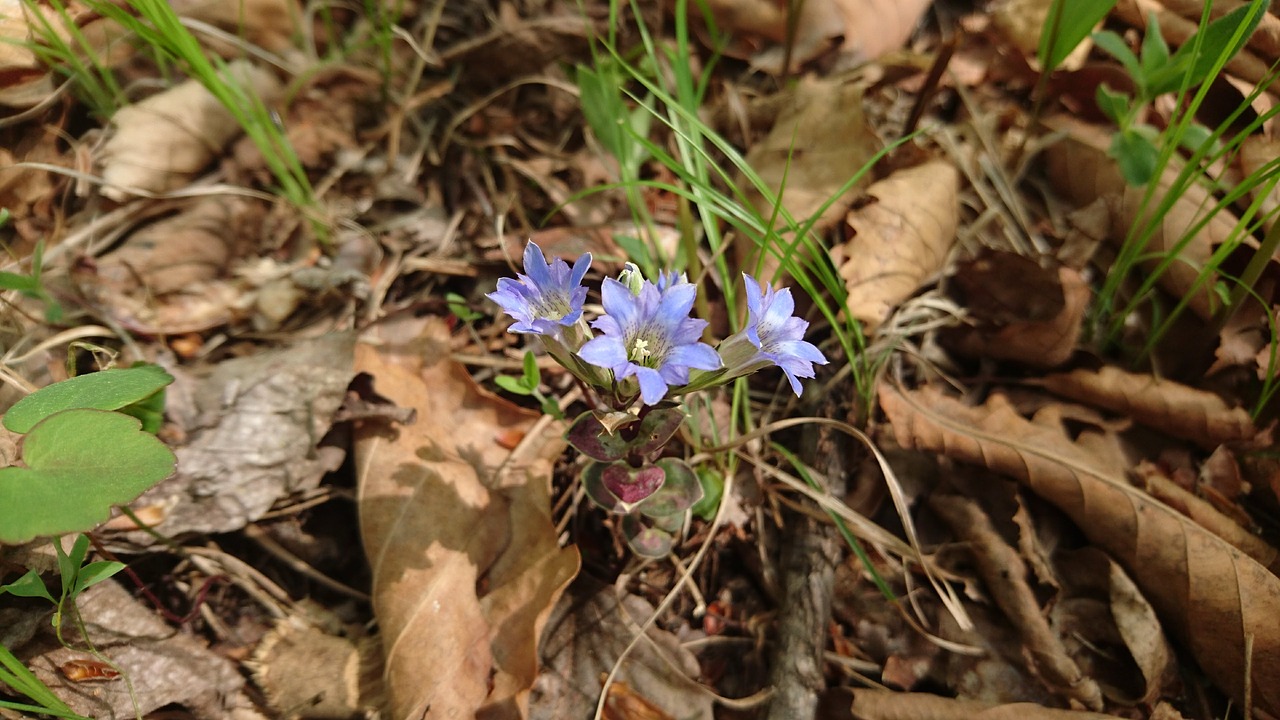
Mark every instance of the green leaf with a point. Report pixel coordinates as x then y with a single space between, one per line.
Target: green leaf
1155 51
69 562
1223 38
712 490
532 377
602 107
79 463
29 585
1068 24
459 307
1115 105
512 385
1195 136
21 283
646 541
1136 155
1116 47
105 390
550 406
94 573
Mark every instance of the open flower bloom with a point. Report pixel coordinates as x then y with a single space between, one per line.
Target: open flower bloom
546 300
650 336
773 336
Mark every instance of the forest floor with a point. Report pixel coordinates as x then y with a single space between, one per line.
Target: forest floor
1036 477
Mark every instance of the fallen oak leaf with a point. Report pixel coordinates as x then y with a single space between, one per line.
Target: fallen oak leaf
161 142
1214 597
1179 410
459 536
900 238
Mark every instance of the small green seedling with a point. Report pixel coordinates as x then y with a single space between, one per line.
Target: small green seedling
32 285
76 576
1064 30
79 457
16 675
459 307
1155 72
527 384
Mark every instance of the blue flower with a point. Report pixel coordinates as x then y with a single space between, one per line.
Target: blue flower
549 298
650 336
773 336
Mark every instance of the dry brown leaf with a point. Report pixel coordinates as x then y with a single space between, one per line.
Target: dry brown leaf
863 29
458 531
1214 597
882 705
179 251
1078 167
24 80
589 630
1018 310
256 425
165 667
270 24
900 238
1129 623
1178 410
318 666
1005 576
162 142
1170 493
819 140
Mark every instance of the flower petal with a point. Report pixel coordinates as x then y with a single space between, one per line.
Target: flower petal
605 351
698 355
652 387
618 302
535 263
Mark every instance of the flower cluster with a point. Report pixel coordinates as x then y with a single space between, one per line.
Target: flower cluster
647 347
648 341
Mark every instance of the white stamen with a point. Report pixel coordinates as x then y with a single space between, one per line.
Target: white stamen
641 350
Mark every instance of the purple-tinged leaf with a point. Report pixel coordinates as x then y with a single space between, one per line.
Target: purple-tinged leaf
656 429
593 484
590 438
632 485
646 541
680 492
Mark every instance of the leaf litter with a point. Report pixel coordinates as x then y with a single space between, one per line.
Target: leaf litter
344 464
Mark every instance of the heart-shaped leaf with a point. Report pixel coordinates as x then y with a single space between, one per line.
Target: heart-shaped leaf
644 540
680 491
105 390
593 483
656 429
632 485
589 437
79 463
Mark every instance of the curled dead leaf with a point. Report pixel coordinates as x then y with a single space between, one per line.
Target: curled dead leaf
163 141
1179 410
1005 576
900 238
1214 597
459 535
819 140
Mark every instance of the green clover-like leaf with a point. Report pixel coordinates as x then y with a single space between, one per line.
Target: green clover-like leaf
78 464
105 390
